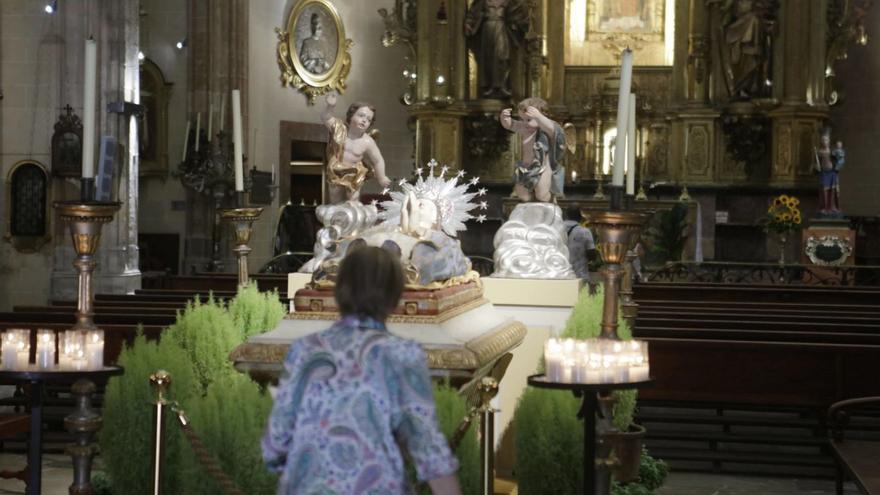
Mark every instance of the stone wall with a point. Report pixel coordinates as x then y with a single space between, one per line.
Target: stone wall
34 57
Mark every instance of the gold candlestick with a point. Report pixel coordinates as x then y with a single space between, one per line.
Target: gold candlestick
86 220
600 194
242 220
618 231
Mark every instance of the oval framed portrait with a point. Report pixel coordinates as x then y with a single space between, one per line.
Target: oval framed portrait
315 53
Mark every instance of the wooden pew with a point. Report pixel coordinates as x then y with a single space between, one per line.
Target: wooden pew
744 374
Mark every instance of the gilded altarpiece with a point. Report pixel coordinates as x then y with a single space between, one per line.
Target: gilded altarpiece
689 76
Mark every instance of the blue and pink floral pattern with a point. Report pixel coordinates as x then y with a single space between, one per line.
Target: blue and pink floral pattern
349 396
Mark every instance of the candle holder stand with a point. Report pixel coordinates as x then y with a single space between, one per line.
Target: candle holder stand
617 232
600 194
596 401
242 221
642 195
628 305
86 220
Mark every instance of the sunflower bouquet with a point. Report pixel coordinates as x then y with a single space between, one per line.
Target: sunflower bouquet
783 215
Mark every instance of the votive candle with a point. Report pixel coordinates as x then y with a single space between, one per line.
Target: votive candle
45 348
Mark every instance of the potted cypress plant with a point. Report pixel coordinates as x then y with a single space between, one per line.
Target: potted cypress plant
585 323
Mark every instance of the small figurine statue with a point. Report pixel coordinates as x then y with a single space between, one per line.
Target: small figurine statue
540 175
349 143
493 28
829 162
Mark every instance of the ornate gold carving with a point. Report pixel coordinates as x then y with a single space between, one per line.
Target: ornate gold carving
473 355
424 319
698 151
782 167
293 73
828 241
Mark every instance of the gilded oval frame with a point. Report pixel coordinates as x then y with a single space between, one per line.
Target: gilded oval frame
294 73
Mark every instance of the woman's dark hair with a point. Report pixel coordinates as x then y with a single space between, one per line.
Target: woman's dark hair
369 283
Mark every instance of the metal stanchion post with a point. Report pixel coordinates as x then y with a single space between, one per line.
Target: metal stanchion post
160 381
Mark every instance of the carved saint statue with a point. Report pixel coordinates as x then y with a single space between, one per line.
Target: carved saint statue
829 161
494 27
540 174
746 41
349 143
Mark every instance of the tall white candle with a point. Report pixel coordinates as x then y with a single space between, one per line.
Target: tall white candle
631 146
45 349
622 114
236 136
185 140
88 152
198 129
210 120
94 354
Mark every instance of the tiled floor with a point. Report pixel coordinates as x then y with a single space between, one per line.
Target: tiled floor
726 484
58 475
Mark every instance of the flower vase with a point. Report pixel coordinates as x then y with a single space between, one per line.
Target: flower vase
782 240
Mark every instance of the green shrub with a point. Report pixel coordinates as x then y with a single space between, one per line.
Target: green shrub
668 235
227 410
126 438
207 332
549 453
230 421
548 442
652 473
256 312
451 410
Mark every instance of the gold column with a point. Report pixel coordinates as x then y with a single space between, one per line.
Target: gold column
698 54
618 231
86 220
555 83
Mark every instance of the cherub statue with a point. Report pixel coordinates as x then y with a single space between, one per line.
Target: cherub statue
540 174
349 143
829 161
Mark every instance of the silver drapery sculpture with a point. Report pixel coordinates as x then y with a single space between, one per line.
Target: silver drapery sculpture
340 220
533 244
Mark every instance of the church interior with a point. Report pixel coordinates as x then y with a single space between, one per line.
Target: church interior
640 240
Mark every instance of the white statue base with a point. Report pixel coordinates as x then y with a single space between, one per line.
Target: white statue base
533 244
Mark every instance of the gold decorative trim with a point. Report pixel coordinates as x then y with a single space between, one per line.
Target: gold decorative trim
492 345
87 212
292 71
814 242
474 355
424 319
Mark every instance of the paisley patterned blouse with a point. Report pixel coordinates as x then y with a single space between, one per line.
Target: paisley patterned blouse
349 396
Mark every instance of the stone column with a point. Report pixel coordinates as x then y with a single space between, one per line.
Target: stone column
218 62
115 26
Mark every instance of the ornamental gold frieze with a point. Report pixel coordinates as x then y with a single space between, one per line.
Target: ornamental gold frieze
473 355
